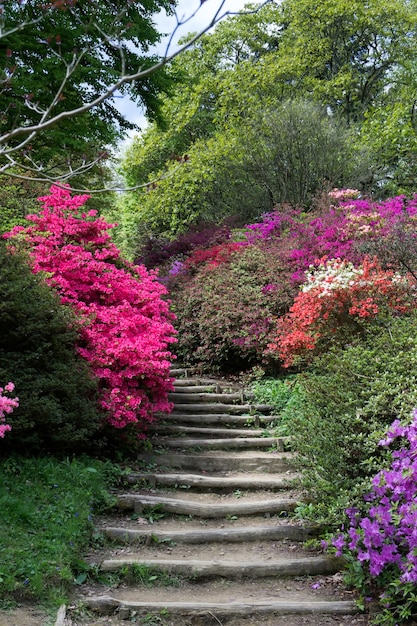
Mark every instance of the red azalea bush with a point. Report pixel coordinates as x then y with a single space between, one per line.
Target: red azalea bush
334 300
160 252
125 323
226 310
213 256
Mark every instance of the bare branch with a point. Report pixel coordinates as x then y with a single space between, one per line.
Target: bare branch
15 141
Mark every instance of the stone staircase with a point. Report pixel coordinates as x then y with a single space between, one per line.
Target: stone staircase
206 528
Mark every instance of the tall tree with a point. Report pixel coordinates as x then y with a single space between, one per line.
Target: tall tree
344 51
63 63
344 59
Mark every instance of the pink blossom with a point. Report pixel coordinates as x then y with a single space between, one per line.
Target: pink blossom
125 323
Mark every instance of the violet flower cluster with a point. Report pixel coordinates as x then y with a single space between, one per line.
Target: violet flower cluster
387 535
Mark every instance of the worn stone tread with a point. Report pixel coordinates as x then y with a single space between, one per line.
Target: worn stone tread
216 418
302 566
210 432
240 443
209 397
108 604
244 481
202 509
226 535
221 461
222 407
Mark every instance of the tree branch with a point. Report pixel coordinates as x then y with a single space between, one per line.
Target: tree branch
14 141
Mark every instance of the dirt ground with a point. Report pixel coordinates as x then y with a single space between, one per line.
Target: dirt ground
25 616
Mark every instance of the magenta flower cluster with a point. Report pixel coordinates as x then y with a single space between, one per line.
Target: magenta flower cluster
386 536
335 231
7 405
125 323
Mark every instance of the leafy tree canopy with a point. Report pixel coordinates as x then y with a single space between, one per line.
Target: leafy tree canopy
60 57
344 51
222 132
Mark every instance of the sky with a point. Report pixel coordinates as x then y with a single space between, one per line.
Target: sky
204 13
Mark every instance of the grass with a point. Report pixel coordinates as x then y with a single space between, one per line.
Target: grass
151 577
283 395
46 524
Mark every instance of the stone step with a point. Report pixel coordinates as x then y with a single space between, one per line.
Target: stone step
185 372
301 566
216 418
239 443
194 388
219 535
207 398
242 481
212 461
207 431
140 502
181 383
107 605
214 407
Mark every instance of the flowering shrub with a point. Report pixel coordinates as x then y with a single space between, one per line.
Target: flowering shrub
6 406
384 539
336 230
273 225
336 297
344 194
212 257
125 325
226 311
159 252
342 226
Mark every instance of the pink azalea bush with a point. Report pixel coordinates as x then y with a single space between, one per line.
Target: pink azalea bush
6 406
125 323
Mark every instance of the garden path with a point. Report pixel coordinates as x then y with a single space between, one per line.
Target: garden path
206 526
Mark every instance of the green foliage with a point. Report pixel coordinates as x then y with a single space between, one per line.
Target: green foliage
269 107
389 131
47 507
189 190
60 57
284 395
350 396
198 76
284 153
149 577
57 408
17 199
293 149
344 51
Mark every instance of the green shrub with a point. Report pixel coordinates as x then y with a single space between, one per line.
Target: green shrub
226 311
283 395
17 199
57 394
350 396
